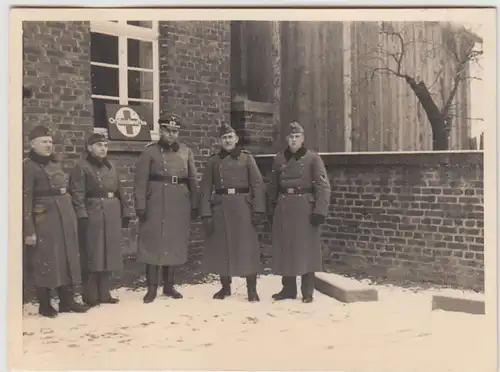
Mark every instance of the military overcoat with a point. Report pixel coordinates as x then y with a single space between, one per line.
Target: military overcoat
165 189
233 249
48 212
99 196
296 243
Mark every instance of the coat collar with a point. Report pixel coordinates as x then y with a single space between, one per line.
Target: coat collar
44 160
297 155
234 153
98 162
165 145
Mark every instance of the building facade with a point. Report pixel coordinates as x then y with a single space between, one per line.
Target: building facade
257 76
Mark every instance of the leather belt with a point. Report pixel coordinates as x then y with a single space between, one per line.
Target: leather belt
51 192
232 191
174 180
101 195
296 190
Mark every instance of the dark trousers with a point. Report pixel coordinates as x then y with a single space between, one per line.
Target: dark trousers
227 280
307 284
65 293
97 286
154 279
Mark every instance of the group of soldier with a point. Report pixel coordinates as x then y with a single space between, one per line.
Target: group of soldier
73 220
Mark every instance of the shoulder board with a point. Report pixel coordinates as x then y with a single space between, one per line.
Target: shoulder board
150 144
211 156
245 151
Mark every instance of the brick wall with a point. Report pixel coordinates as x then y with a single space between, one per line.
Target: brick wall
57 70
405 217
255 124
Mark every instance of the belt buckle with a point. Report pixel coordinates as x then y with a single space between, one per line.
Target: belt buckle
290 190
62 190
231 191
111 195
175 180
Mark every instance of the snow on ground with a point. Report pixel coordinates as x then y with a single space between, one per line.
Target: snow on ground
397 333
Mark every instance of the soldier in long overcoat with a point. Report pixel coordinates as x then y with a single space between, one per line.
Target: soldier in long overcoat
231 205
299 193
50 226
101 207
166 200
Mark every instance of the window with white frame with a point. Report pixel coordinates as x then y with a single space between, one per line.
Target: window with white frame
124 68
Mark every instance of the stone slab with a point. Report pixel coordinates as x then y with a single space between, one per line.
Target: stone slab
344 289
458 304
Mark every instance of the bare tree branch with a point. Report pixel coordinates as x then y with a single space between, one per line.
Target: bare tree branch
384 69
398 57
458 116
458 78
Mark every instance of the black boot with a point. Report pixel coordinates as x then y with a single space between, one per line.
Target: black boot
253 296
152 282
90 289
225 291
307 287
45 308
289 290
67 303
168 283
104 287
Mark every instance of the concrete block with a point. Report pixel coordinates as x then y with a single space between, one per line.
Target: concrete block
344 289
458 304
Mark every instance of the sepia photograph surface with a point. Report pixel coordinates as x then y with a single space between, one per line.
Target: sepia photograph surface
252 189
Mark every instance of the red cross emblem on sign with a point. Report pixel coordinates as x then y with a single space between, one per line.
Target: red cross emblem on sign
128 126
128 122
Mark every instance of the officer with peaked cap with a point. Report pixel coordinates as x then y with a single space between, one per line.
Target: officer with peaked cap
231 204
101 207
50 226
166 197
299 197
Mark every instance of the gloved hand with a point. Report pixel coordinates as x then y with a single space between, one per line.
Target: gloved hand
257 218
317 219
208 225
194 214
141 214
30 240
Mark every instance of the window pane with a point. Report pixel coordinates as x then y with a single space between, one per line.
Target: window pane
146 112
147 24
140 84
103 48
140 53
104 81
100 120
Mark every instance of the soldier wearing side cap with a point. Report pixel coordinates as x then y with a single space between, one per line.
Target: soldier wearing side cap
100 204
299 197
166 199
50 226
231 205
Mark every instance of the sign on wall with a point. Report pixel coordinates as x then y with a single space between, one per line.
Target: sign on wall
127 123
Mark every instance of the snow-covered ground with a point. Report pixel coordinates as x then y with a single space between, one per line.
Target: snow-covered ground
397 333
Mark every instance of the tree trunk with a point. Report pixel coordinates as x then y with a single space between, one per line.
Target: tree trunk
436 119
